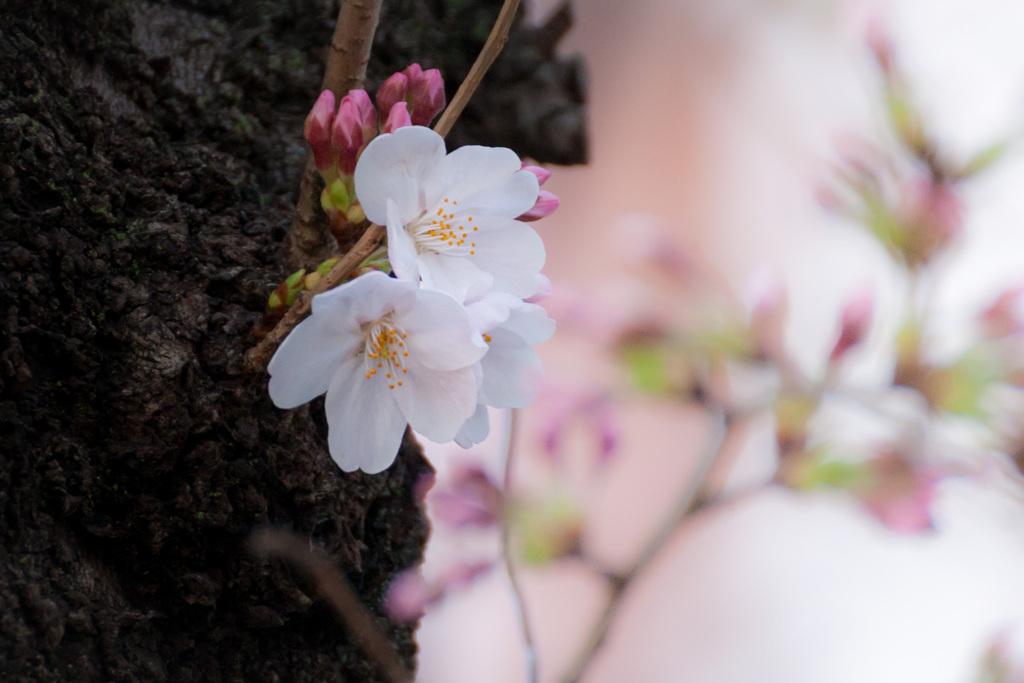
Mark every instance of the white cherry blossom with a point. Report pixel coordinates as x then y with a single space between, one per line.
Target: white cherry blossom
450 218
386 353
511 370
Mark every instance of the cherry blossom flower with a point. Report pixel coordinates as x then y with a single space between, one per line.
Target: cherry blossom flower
386 353
451 217
510 371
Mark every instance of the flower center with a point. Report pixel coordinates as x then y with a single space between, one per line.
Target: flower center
442 231
384 350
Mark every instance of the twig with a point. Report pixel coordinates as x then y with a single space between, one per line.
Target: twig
690 501
345 70
333 588
259 355
529 649
492 48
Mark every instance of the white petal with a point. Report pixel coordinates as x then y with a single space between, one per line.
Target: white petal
491 310
482 179
475 429
394 166
437 402
513 253
365 425
456 276
531 323
512 372
401 247
364 299
308 358
440 334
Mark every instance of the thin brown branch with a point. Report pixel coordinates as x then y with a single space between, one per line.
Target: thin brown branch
727 428
334 589
529 648
345 70
259 355
492 48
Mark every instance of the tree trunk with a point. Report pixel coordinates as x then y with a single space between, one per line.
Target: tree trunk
149 158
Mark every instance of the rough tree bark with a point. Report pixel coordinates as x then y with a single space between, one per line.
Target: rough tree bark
149 157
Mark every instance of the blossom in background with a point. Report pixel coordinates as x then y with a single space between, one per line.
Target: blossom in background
386 353
451 217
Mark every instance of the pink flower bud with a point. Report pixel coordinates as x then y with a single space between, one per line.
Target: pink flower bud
407 596
367 114
398 118
1003 317
471 500
899 492
932 216
877 38
542 173
317 130
413 73
347 135
856 319
427 91
391 92
768 320
545 206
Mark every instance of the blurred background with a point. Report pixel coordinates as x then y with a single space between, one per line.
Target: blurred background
717 123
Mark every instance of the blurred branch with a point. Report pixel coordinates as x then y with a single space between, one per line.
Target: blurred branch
492 48
530 650
728 427
332 587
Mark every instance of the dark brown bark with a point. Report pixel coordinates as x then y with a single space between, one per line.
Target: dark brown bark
149 158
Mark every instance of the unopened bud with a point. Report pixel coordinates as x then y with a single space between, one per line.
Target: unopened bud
312 280
427 95
546 204
880 45
355 214
542 173
856 319
391 93
407 596
1003 316
367 114
932 216
317 130
347 135
397 118
335 196
768 321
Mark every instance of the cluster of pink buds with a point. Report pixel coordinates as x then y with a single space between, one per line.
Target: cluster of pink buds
410 98
339 132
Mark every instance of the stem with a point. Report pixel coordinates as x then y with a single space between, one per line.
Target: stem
345 70
689 502
492 48
259 355
529 649
334 589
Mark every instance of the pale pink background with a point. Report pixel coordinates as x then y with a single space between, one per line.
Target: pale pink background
717 117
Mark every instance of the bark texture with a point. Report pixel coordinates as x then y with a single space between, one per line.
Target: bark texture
150 153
